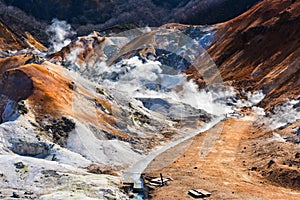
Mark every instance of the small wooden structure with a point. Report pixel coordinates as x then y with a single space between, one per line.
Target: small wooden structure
160 181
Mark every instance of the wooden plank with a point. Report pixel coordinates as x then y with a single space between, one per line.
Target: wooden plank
204 192
160 181
199 193
154 184
195 194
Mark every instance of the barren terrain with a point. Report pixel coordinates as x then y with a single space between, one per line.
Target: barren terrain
222 166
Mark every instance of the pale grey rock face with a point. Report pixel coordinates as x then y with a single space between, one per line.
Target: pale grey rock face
109 152
31 166
48 180
10 112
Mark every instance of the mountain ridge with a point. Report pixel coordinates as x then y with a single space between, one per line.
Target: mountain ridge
38 14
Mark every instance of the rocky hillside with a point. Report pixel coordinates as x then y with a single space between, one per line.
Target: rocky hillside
82 115
9 40
259 50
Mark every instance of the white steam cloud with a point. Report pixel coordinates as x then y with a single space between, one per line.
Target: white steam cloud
211 100
258 111
59 32
72 57
284 114
252 99
280 116
149 79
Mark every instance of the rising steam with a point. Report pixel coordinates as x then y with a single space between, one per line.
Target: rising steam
59 32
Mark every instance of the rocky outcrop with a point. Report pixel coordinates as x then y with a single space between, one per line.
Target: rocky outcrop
15 86
23 177
58 129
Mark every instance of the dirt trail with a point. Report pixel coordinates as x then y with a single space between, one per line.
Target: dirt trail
133 174
216 161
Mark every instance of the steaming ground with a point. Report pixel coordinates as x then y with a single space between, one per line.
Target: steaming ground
125 100
280 116
151 77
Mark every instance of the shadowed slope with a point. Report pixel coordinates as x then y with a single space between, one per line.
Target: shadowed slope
260 50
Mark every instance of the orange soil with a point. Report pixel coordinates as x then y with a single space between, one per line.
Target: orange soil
216 161
52 95
49 91
260 50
